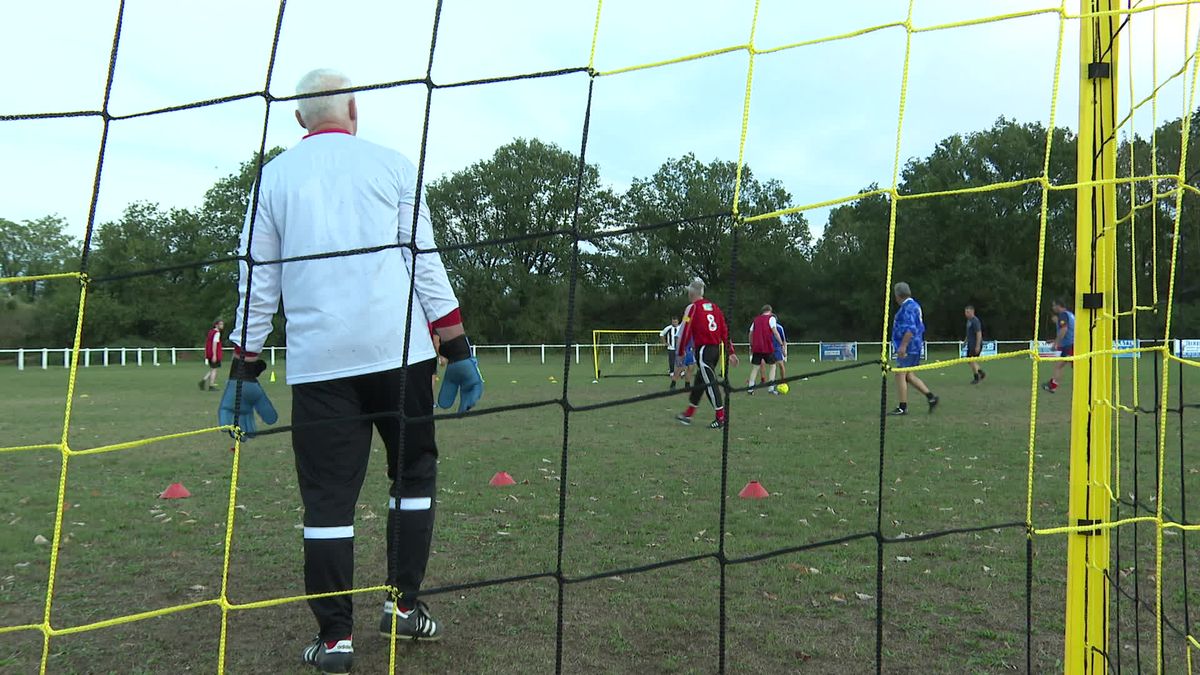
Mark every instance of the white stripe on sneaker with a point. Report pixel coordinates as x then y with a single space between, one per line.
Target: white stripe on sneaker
340 532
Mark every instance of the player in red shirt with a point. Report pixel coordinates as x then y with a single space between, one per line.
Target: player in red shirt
212 355
704 324
764 335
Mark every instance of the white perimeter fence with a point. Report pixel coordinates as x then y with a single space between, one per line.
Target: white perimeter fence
48 357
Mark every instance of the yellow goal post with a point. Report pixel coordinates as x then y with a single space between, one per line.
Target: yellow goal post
628 353
632 353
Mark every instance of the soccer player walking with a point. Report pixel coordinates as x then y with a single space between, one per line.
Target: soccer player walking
780 353
781 349
347 318
1064 342
764 335
670 338
908 338
704 324
212 356
974 342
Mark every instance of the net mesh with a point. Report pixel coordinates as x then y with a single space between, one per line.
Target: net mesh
1153 200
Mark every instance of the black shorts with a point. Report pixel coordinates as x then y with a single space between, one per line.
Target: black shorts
332 441
213 363
972 353
759 358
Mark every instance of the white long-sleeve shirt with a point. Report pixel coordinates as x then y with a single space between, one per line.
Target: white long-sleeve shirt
346 315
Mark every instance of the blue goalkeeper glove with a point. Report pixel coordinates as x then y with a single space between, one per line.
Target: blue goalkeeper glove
254 399
461 379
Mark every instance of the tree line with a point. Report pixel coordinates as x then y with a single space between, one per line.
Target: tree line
637 248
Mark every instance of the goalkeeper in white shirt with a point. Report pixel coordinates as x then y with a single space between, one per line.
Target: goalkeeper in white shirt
349 366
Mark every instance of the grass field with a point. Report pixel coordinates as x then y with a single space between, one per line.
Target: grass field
641 489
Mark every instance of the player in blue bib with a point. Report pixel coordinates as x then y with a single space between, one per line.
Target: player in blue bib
1064 342
908 339
687 366
780 352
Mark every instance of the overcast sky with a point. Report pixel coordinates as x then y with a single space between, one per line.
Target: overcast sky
822 117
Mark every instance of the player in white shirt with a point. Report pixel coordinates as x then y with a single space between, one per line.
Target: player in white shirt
670 336
347 326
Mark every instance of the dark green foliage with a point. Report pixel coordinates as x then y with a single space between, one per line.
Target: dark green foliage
968 248
173 307
516 290
975 247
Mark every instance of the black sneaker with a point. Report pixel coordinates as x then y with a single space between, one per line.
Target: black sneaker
683 419
330 657
933 401
416 624
975 380
202 385
750 391
716 424
898 412
982 376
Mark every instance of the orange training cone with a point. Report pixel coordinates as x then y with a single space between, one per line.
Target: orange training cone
754 490
501 479
174 491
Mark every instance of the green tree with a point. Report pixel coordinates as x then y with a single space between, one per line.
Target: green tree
695 200
976 248
156 307
32 248
982 247
849 268
218 225
511 287
177 303
186 288
1146 239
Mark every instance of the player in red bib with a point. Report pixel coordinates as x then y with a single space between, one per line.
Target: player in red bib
764 335
704 324
212 355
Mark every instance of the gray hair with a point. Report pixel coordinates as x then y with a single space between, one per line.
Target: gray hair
903 291
323 108
697 286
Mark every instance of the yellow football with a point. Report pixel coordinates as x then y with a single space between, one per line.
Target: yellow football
783 388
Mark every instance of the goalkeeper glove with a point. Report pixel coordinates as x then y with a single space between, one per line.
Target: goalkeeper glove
254 399
462 378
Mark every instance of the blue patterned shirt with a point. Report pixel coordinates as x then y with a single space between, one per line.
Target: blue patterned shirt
909 320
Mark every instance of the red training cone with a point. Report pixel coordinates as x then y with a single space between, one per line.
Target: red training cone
501 479
754 490
174 491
